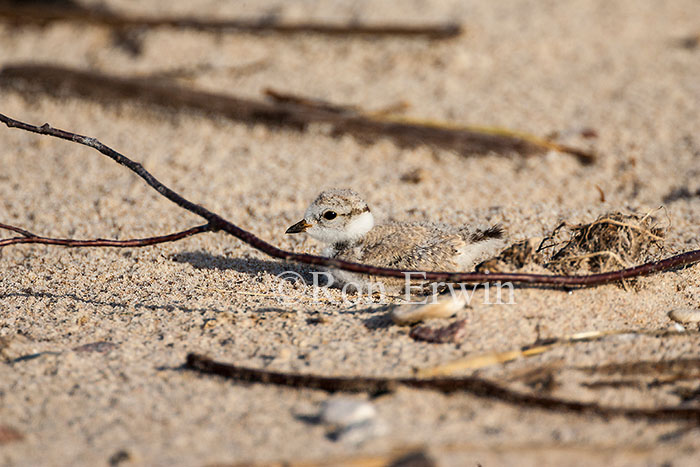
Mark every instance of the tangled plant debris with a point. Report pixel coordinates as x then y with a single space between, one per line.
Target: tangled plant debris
614 240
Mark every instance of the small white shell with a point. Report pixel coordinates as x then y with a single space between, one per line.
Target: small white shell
677 327
351 421
444 307
345 411
685 316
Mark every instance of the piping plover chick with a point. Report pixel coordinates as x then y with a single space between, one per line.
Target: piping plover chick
342 220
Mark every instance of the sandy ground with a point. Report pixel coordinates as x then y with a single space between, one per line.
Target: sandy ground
540 67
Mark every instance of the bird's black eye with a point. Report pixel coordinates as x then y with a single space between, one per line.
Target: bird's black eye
330 215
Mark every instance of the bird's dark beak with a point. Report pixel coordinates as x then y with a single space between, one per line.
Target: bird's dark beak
300 226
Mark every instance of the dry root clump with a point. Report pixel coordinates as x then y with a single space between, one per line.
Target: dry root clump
613 241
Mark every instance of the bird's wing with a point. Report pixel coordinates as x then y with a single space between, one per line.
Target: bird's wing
421 247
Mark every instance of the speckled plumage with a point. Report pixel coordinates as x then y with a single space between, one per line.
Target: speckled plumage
412 246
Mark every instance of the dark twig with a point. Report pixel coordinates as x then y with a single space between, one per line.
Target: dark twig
473 385
216 222
287 110
43 14
12 228
28 237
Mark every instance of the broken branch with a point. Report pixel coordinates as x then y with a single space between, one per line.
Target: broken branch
286 110
17 13
476 386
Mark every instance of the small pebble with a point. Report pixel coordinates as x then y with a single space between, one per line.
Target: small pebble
345 411
9 435
685 316
350 420
415 176
441 335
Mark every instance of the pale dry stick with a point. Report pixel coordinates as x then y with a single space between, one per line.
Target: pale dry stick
491 358
215 223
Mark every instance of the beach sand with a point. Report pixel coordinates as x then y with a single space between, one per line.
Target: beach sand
539 67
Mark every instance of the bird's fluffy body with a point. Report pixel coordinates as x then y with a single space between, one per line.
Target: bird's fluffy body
344 222
414 246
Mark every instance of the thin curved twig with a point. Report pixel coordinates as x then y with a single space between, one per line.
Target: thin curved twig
28 237
216 222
